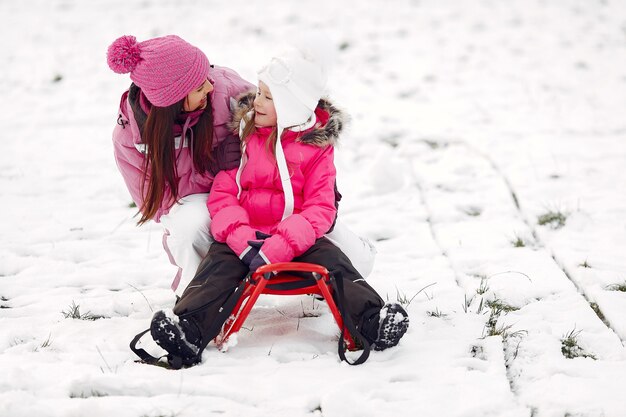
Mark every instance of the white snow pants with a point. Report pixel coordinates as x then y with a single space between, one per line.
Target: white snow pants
186 239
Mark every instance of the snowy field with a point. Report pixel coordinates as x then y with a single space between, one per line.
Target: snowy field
485 157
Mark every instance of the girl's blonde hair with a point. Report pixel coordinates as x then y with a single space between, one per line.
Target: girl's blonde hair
248 129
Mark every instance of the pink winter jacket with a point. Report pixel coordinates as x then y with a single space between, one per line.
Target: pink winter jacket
260 206
129 152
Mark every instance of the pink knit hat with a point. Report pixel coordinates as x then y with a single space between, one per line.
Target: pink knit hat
166 69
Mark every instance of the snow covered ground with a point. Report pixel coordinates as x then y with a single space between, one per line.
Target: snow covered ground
472 121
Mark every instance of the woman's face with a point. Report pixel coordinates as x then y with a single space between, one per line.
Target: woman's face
264 110
198 98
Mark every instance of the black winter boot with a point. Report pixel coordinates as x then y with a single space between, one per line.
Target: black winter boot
393 323
181 338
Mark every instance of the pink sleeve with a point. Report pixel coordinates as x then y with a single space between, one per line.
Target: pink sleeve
230 222
298 232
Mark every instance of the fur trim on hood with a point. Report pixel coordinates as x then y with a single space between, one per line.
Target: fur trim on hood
327 134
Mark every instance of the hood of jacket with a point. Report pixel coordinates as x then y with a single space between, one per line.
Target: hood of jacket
331 120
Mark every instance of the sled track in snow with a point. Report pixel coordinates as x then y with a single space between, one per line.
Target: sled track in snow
444 252
581 290
508 345
433 233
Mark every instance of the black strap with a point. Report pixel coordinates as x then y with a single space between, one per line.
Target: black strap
143 355
337 282
173 361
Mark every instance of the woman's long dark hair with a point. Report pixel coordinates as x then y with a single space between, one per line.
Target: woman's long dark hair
160 171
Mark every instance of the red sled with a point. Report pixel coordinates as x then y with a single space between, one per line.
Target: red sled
284 278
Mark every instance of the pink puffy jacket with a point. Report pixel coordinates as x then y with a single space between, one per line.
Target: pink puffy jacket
260 206
129 152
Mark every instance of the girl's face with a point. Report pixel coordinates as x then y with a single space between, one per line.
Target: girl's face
265 112
197 99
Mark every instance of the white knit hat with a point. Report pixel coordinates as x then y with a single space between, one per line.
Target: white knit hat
297 80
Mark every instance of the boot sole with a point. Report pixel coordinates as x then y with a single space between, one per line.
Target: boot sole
391 330
169 336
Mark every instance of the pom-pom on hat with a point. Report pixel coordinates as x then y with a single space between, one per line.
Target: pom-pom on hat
166 68
297 79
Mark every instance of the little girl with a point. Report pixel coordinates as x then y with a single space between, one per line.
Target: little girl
276 207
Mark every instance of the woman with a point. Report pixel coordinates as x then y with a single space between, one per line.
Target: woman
172 138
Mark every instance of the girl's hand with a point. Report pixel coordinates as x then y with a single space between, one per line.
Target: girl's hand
257 262
253 258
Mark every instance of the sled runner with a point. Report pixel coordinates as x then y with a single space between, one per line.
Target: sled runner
285 278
